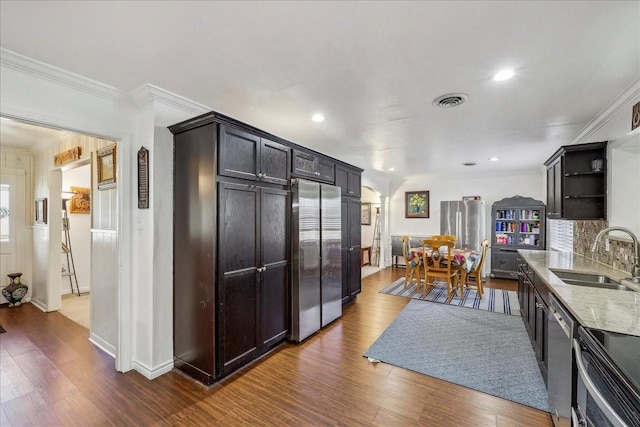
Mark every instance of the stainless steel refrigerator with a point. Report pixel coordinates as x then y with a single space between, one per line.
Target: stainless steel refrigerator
316 292
466 220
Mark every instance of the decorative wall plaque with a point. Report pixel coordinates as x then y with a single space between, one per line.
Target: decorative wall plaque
143 178
67 156
635 116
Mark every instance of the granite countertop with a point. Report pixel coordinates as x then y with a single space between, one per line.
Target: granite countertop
611 310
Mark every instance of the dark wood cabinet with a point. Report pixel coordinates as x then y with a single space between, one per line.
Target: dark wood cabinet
533 296
253 264
348 180
232 241
326 168
194 260
351 243
249 156
310 165
577 182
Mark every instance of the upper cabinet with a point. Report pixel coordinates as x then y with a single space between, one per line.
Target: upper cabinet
577 182
348 180
311 165
248 156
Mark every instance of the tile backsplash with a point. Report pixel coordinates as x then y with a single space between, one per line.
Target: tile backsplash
620 254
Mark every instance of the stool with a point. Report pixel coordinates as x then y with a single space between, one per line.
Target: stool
364 249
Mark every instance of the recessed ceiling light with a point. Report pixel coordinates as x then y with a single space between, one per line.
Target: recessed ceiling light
469 164
503 75
317 117
391 169
494 159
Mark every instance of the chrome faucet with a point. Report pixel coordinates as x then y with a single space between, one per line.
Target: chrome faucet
635 270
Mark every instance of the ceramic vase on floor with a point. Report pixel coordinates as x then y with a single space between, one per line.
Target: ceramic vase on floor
15 291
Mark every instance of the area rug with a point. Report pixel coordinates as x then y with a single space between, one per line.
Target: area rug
481 350
492 299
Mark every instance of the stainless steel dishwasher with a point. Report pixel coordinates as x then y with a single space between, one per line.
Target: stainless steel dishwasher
560 330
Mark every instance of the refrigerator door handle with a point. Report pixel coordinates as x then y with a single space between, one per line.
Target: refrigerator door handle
459 227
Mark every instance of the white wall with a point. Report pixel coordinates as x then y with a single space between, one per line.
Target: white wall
79 232
624 184
369 196
490 188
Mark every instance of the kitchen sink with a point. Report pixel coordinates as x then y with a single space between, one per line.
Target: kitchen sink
590 280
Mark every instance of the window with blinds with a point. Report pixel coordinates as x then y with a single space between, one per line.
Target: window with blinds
561 235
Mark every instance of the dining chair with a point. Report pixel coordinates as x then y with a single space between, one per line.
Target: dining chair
411 266
474 277
436 255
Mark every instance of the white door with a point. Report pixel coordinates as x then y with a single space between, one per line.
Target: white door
12 214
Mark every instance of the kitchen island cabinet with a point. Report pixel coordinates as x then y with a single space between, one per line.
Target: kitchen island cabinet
611 310
533 296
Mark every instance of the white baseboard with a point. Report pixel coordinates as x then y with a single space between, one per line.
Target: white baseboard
103 345
39 304
152 373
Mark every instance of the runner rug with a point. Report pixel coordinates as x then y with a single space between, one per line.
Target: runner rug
492 299
481 350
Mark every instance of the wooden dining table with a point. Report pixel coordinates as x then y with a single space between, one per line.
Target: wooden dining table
463 259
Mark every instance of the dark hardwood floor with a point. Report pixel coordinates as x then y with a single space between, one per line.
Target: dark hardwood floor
50 374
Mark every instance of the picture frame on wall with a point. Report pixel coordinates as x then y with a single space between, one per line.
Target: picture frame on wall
106 159
416 204
365 214
41 210
80 203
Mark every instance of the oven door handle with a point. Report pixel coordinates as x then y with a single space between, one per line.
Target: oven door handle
606 409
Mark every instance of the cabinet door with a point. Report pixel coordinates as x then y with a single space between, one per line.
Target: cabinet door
551 192
327 170
238 332
305 164
354 184
355 269
274 238
348 180
351 241
540 328
274 162
239 153
557 190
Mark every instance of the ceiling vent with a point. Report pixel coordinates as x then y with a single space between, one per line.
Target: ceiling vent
450 100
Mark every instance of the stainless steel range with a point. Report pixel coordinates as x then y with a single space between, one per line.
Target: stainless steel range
608 383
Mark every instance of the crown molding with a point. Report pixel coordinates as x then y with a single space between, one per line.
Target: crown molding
21 63
149 93
624 100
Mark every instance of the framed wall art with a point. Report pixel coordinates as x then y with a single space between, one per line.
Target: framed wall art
365 214
41 211
80 203
106 166
416 204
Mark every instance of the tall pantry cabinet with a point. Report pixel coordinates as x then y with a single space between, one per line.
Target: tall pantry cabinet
232 248
231 251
